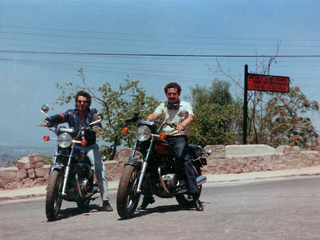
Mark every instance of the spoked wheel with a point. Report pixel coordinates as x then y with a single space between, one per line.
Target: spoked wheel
127 196
183 199
54 195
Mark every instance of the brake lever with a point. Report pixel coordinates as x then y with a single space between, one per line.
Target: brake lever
173 125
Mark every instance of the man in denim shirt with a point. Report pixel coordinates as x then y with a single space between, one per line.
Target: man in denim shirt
80 117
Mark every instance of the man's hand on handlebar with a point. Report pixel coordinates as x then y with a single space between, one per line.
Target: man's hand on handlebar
96 129
44 123
179 127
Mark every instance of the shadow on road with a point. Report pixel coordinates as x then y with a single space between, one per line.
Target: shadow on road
159 209
71 212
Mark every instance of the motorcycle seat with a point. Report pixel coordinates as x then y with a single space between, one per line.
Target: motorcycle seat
195 149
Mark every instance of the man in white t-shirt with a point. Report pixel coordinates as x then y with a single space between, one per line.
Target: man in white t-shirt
169 111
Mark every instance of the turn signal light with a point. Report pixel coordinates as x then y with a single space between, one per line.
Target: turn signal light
162 136
83 142
46 138
125 130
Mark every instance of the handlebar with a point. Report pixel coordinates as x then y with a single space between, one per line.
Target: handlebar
55 129
68 130
173 125
135 118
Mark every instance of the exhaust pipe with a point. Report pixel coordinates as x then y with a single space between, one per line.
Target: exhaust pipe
201 180
78 186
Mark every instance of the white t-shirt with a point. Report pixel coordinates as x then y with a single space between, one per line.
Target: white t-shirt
172 115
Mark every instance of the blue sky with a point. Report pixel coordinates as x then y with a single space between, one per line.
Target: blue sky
35 36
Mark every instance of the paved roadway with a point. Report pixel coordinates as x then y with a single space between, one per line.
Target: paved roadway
287 208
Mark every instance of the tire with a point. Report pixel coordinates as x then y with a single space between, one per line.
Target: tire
183 199
54 197
127 196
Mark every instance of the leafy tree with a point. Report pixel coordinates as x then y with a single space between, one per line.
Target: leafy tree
287 121
47 160
218 115
112 111
277 118
273 118
281 119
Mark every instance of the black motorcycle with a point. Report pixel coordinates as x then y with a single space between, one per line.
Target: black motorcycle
71 177
155 171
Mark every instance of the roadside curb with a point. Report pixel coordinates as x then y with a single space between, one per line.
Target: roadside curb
264 178
40 191
2 199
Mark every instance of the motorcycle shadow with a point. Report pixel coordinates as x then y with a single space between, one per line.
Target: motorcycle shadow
158 209
75 211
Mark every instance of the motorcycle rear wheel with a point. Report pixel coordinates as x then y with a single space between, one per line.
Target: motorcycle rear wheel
127 196
54 195
183 199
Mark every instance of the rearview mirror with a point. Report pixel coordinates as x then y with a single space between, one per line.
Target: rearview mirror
184 114
45 108
98 117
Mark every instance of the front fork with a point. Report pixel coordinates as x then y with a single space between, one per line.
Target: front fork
66 174
144 164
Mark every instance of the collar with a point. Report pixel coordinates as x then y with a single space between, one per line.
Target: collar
171 106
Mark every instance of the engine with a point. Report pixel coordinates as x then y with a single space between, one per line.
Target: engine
171 180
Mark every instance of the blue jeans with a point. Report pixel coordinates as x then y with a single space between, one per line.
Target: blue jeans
183 162
93 153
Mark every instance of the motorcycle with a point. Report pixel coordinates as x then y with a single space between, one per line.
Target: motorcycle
70 174
155 170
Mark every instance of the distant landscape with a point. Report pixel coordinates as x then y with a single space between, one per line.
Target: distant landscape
9 154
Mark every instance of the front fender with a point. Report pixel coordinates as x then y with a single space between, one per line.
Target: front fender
58 167
133 161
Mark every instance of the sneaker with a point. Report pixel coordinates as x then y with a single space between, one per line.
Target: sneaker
199 206
106 206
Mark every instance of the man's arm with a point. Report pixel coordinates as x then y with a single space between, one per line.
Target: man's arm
153 116
54 119
97 127
185 123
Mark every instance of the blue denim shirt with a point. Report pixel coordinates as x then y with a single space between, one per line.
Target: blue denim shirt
72 118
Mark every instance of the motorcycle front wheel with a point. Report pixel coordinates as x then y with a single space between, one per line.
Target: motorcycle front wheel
183 199
127 196
54 195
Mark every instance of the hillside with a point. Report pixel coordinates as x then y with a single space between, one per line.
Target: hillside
9 154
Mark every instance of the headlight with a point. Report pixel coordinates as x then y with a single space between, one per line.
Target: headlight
143 133
64 140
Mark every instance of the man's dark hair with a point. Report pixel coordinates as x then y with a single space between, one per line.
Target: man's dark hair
173 85
83 94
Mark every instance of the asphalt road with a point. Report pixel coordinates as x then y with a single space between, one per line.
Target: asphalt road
264 209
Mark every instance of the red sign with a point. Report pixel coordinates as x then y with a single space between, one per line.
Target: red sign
268 83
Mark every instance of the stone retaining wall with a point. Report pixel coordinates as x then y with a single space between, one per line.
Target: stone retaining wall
257 158
30 171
